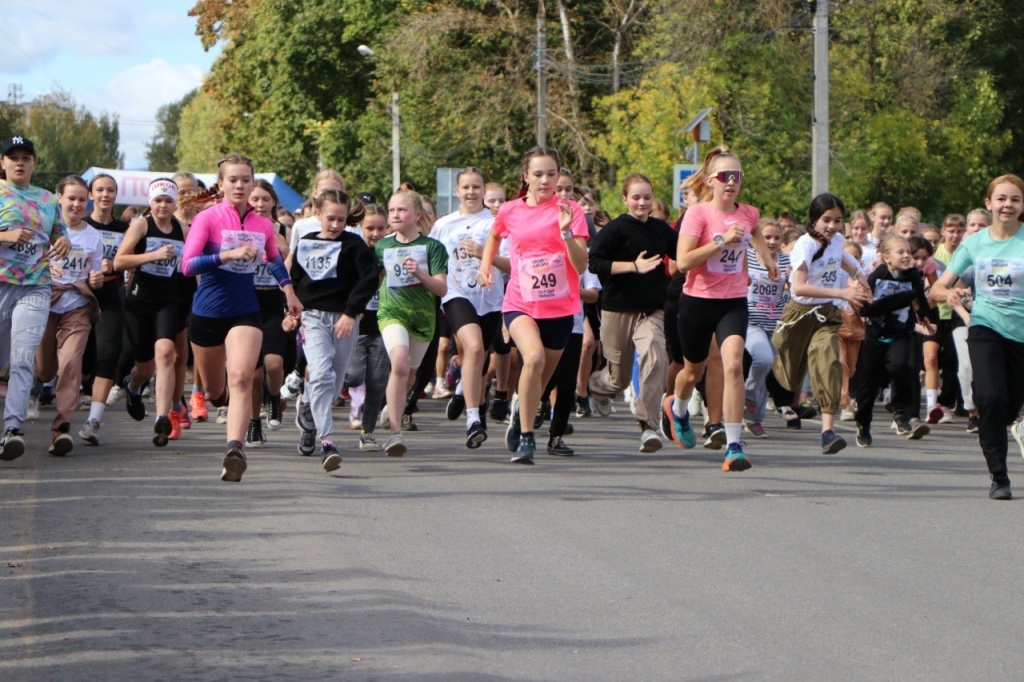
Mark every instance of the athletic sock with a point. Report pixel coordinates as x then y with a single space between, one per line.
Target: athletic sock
732 433
679 407
458 388
472 416
439 382
96 410
932 397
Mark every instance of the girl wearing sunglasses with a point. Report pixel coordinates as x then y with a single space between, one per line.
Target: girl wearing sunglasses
712 250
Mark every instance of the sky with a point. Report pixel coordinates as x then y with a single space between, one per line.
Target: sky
122 57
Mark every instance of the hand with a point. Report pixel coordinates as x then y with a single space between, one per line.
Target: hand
643 265
484 278
856 296
735 234
107 267
60 249
565 215
925 327
344 326
412 267
956 295
165 252
96 279
290 323
243 253
294 306
471 248
19 235
56 270
773 271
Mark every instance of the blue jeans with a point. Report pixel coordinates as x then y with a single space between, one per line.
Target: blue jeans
24 311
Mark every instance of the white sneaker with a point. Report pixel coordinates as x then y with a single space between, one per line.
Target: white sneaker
601 404
222 415
32 413
292 386
90 433
649 441
147 392
947 416
696 406
116 393
846 415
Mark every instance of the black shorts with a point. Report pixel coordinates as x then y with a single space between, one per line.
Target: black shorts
554 332
146 323
208 332
459 312
275 338
699 319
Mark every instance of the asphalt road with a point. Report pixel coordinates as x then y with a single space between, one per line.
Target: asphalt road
125 562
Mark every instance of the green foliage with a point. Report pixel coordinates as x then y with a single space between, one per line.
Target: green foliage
203 139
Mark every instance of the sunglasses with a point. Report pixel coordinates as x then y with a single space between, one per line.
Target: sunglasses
728 176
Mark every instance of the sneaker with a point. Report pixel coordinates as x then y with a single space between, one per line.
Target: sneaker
222 415
275 413
680 431
329 457
147 391
735 460
557 447
973 424
947 416
304 417
754 429
32 413
806 411
583 406
355 423
90 432
339 402
455 406
200 412
863 436
543 410
408 424
1000 489
440 393
524 453
185 417
61 443
162 431
454 373
85 404
935 415
395 447
175 418
307 442
787 413
475 435
901 426
234 463
367 443
1018 435
116 393
46 396
846 415
794 424
12 444
292 386
602 404
513 430
254 437
695 408
649 441
133 403
499 410
918 430
831 442
714 436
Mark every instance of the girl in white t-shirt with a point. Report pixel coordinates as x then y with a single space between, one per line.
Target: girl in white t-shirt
807 336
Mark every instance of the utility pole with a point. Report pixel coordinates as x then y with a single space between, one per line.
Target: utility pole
542 81
396 139
819 131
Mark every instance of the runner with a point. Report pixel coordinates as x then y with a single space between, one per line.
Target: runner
473 312
978 219
224 246
185 212
712 251
940 404
548 251
995 336
32 232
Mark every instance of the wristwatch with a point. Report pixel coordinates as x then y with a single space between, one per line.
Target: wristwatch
719 241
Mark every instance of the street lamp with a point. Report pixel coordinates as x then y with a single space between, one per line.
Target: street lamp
396 157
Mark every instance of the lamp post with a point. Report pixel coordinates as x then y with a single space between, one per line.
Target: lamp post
396 138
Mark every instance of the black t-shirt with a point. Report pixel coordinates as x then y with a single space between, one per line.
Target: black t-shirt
109 295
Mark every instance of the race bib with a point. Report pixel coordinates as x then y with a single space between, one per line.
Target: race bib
1000 279
165 267
829 275
232 239
730 259
23 255
75 265
766 294
374 303
111 243
462 268
886 287
543 278
262 277
394 260
318 258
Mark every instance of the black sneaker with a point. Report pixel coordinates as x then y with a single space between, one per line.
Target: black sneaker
46 395
793 423
329 457
162 431
499 409
543 410
556 446
274 416
1000 489
254 437
524 453
714 436
831 442
806 411
133 403
863 436
61 444
456 405
569 430
918 429
304 417
234 463
902 426
307 443
408 424
583 406
475 435
973 424
12 444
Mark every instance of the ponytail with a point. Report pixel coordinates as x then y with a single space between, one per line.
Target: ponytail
698 181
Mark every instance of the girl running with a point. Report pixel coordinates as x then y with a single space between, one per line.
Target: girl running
978 219
473 312
807 336
225 244
712 251
940 403
548 251
995 337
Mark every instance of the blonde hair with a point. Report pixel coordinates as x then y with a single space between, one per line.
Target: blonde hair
890 242
326 174
697 182
414 198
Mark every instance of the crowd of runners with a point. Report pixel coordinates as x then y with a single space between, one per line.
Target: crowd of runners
519 311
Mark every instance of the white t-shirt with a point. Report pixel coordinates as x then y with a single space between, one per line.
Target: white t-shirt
588 280
463 268
85 256
869 257
824 272
300 229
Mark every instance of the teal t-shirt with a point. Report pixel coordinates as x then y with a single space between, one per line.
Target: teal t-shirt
998 280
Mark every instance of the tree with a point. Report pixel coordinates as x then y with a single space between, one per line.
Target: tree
202 140
162 150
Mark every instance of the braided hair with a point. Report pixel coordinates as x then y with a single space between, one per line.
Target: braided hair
819 206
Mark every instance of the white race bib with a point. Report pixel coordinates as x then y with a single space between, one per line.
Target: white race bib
887 287
23 255
263 277
165 267
730 259
111 243
829 275
462 268
543 278
1000 279
394 263
75 264
374 303
766 294
318 258
232 239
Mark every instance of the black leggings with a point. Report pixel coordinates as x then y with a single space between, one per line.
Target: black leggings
109 334
879 361
998 391
564 379
146 323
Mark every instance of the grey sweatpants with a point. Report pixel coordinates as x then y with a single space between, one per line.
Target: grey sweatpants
326 357
24 311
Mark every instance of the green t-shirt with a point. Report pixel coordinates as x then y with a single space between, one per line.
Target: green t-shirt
403 299
943 256
998 281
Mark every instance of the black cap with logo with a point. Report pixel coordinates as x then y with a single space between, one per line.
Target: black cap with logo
17 142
